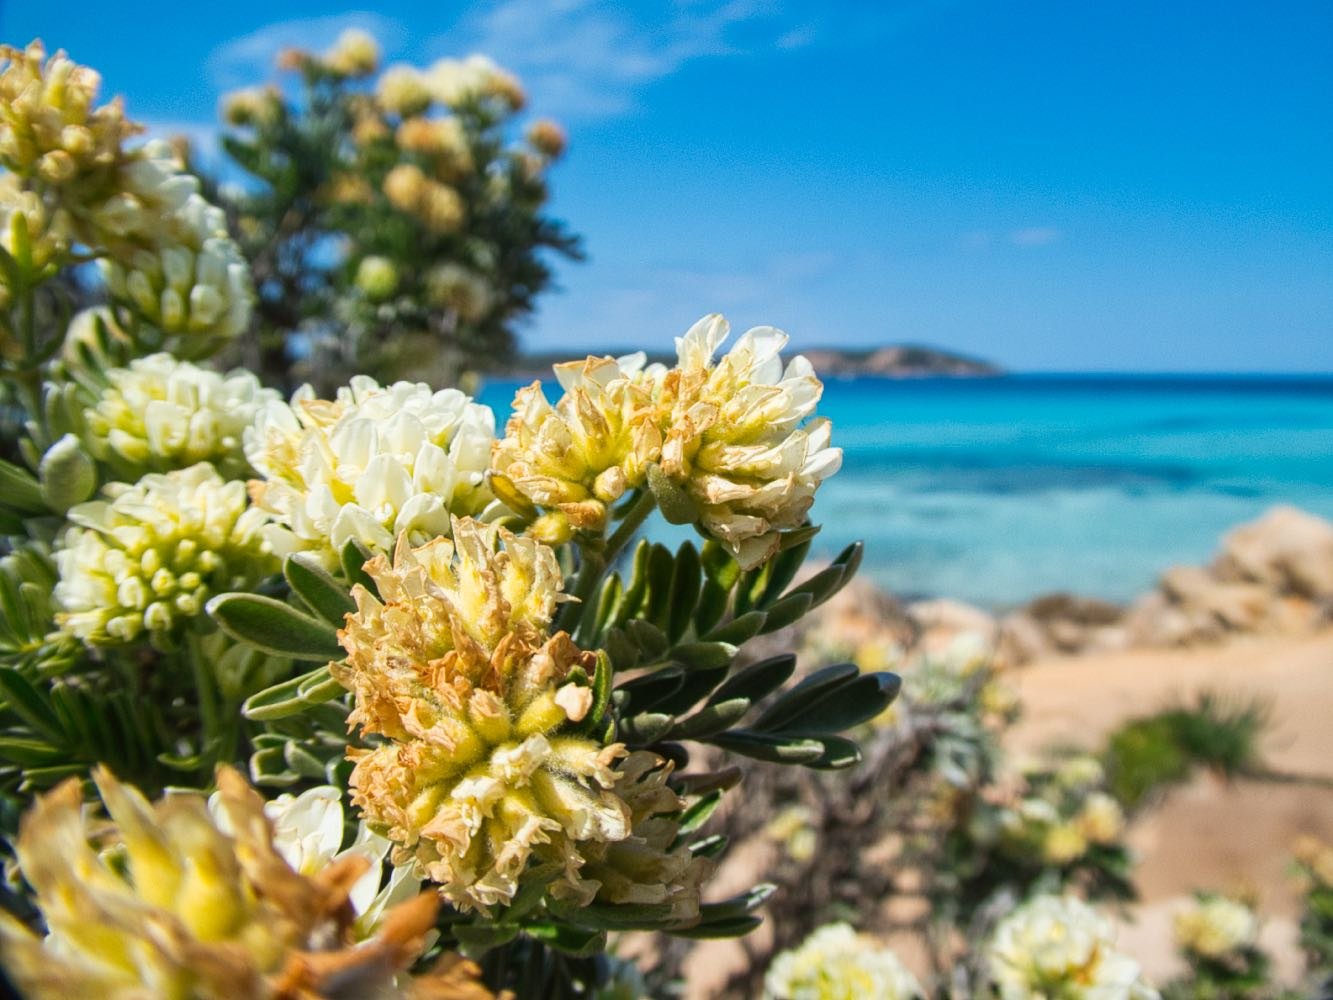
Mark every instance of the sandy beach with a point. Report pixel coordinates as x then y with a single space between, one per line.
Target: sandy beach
1207 834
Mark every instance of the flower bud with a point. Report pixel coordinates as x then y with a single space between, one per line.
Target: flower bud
67 474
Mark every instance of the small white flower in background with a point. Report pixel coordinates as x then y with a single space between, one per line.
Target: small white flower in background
402 90
159 414
152 554
455 82
737 439
355 53
1101 819
836 963
1059 948
465 292
308 833
1081 771
371 464
1215 926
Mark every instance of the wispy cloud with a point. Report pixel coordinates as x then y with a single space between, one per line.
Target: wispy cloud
1035 236
1025 238
589 58
246 60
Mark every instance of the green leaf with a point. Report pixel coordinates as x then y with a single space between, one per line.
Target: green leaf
839 752
739 630
579 942
616 916
685 580
786 611
646 727
30 706
696 686
712 605
20 491
474 940
841 706
704 655
731 927
710 847
758 680
274 627
646 691
697 813
29 752
321 593
719 565
676 505
823 585
811 688
353 558
661 567
737 906
776 749
701 784
783 570
638 584
647 637
711 719
292 697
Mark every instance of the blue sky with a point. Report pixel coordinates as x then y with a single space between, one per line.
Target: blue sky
1056 185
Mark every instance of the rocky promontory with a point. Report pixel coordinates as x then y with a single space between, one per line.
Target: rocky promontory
892 361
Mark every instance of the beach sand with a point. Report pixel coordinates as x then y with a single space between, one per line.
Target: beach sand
1208 834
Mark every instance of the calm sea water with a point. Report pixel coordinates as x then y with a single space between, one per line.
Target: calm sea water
996 490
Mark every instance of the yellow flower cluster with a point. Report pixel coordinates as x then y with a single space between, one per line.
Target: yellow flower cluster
152 554
1215 927
167 904
480 777
159 414
49 127
439 206
583 453
731 438
164 251
371 464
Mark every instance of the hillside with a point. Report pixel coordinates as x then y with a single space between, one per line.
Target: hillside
892 361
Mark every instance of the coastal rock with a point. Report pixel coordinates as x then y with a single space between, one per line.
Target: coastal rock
1287 549
943 620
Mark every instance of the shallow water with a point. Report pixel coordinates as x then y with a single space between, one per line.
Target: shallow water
996 490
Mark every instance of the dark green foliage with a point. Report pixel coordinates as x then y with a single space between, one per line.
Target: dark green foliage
1148 754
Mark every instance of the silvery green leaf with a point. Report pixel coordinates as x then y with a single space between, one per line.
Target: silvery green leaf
317 588
274 627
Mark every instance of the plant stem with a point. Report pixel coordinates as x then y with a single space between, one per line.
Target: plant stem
633 520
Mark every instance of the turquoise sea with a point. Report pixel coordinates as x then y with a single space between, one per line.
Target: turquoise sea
997 490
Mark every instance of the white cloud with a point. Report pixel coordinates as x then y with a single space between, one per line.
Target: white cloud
1035 236
247 60
589 58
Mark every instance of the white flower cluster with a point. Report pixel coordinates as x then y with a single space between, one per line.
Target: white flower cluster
159 414
1216 926
836 963
371 464
1059 948
181 271
737 437
153 554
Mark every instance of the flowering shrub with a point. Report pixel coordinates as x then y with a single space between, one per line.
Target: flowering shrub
482 731
437 216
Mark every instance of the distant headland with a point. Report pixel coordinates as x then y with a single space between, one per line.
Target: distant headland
891 361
